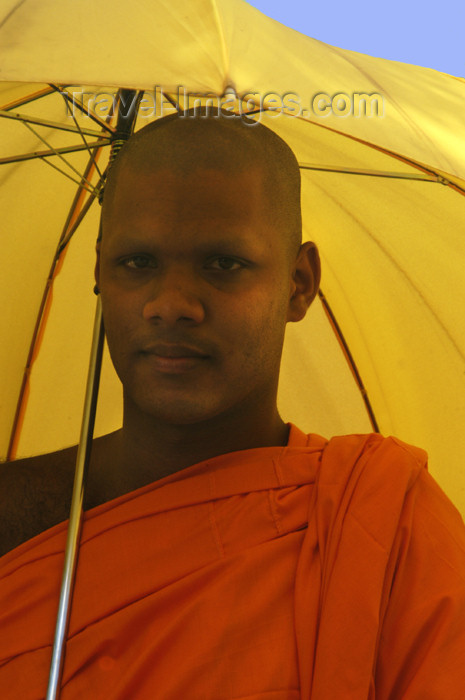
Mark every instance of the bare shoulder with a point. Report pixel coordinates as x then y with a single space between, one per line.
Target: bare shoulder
35 494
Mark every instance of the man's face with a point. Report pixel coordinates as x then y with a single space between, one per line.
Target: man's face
195 284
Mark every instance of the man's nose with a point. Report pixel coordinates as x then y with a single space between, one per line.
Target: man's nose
174 297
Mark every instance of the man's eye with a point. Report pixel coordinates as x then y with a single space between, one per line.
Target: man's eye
139 262
225 263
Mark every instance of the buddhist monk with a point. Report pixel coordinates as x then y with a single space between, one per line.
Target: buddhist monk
224 553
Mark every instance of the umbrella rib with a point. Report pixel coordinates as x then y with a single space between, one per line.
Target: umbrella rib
36 337
11 12
42 315
402 271
82 131
54 152
75 170
44 122
251 112
171 99
388 152
44 307
80 217
87 146
27 100
350 360
91 189
85 110
67 232
374 173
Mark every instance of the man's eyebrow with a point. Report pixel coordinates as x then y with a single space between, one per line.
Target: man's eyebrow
226 240
233 242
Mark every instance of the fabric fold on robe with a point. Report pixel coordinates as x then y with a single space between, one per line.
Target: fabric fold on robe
319 570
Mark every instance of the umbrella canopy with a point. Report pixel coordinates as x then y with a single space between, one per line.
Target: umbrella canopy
382 157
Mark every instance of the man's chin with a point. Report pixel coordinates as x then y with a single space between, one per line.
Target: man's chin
178 411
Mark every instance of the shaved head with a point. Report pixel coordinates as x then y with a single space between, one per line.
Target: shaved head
201 255
184 143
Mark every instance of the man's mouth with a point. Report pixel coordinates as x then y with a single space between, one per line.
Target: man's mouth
174 358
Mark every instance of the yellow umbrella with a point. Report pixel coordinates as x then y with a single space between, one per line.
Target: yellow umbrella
383 167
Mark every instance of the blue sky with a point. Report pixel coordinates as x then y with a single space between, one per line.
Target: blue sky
412 31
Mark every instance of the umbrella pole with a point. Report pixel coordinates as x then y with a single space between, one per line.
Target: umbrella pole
75 518
127 113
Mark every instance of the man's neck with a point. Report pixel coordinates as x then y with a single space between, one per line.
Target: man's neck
146 450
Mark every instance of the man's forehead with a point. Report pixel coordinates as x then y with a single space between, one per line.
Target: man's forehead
194 215
186 146
165 194
153 176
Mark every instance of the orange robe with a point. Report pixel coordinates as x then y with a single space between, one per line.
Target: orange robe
324 570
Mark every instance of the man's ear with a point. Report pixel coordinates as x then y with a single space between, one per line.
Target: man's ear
97 268
305 281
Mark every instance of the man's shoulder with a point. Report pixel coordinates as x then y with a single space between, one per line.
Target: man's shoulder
384 478
376 452
35 494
